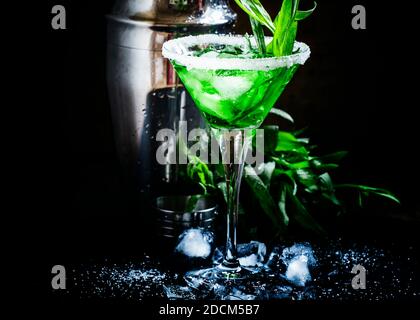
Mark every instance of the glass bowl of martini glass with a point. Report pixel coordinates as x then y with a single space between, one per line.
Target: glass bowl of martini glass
234 88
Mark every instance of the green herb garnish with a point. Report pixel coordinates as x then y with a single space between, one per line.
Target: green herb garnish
284 27
294 181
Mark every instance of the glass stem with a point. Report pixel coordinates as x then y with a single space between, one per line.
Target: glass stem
234 145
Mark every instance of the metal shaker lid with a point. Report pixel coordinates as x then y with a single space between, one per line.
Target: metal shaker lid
173 13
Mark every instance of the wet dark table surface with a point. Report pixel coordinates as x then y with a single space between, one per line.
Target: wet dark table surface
391 274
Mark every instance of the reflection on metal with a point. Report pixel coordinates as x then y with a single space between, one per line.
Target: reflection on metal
143 90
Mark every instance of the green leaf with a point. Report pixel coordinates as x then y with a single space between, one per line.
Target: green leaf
270 138
199 171
286 45
299 165
370 190
323 167
292 165
258 32
288 142
282 204
222 187
326 182
303 140
287 136
286 24
333 157
300 15
264 197
302 216
306 177
331 197
360 199
285 28
267 172
282 113
256 11
297 133
288 174
327 188
192 203
219 170
204 187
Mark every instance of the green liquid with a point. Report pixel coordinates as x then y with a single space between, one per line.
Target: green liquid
235 99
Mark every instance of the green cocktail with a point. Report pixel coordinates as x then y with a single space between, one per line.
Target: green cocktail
234 89
235 99
234 94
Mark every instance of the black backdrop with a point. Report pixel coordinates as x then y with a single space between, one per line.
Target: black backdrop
356 93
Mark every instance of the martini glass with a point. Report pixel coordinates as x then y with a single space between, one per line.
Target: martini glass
234 91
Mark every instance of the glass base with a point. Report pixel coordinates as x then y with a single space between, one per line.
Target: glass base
231 273
221 283
207 279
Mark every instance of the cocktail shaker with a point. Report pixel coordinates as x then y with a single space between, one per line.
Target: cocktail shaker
145 94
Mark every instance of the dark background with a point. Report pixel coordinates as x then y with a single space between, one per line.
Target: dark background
355 93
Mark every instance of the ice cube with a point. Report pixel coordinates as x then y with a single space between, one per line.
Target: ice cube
274 261
298 258
231 87
298 272
195 243
251 254
297 250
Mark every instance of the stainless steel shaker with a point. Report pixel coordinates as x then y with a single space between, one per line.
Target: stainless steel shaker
144 92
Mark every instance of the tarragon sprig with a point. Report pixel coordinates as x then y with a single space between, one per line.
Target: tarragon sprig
284 27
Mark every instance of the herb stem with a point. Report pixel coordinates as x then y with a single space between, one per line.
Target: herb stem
258 32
